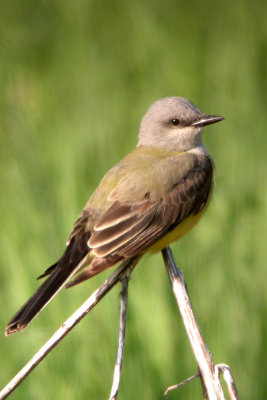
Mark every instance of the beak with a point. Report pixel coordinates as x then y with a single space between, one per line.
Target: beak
207 120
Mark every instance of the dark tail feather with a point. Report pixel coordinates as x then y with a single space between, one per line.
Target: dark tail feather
39 299
48 271
67 267
76 257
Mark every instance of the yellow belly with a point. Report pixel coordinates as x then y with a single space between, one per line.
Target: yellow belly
177 233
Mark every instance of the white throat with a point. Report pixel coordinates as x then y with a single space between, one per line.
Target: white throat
200 149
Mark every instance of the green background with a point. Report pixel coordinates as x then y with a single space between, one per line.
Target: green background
75 79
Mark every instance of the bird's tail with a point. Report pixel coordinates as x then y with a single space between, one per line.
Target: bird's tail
60 273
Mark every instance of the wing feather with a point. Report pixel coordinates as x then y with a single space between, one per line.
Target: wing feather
105 243
127 229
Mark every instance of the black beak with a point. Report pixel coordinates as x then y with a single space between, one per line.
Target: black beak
207 120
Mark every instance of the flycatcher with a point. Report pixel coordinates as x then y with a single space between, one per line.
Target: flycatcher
151 198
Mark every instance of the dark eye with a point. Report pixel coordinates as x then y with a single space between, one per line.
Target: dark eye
175 121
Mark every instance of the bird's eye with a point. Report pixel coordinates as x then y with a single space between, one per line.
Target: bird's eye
175 121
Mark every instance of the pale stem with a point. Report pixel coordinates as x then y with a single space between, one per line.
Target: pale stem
67 326
121 340
202 355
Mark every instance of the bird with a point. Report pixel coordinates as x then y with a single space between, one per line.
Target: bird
154 196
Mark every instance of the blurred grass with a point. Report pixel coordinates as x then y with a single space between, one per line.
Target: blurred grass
76 78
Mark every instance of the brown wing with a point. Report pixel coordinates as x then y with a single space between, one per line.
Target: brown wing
127 229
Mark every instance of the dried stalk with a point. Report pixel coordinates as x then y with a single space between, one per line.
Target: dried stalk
178 385
123 312
125 267
208 373
229 380
210 378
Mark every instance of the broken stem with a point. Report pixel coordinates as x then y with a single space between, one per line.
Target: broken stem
202 355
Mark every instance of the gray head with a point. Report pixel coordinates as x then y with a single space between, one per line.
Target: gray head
174 123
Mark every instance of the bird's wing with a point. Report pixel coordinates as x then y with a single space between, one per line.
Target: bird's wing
128 228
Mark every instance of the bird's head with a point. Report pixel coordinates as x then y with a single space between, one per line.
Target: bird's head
175 124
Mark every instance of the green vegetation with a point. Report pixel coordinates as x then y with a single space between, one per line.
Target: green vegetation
76 78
